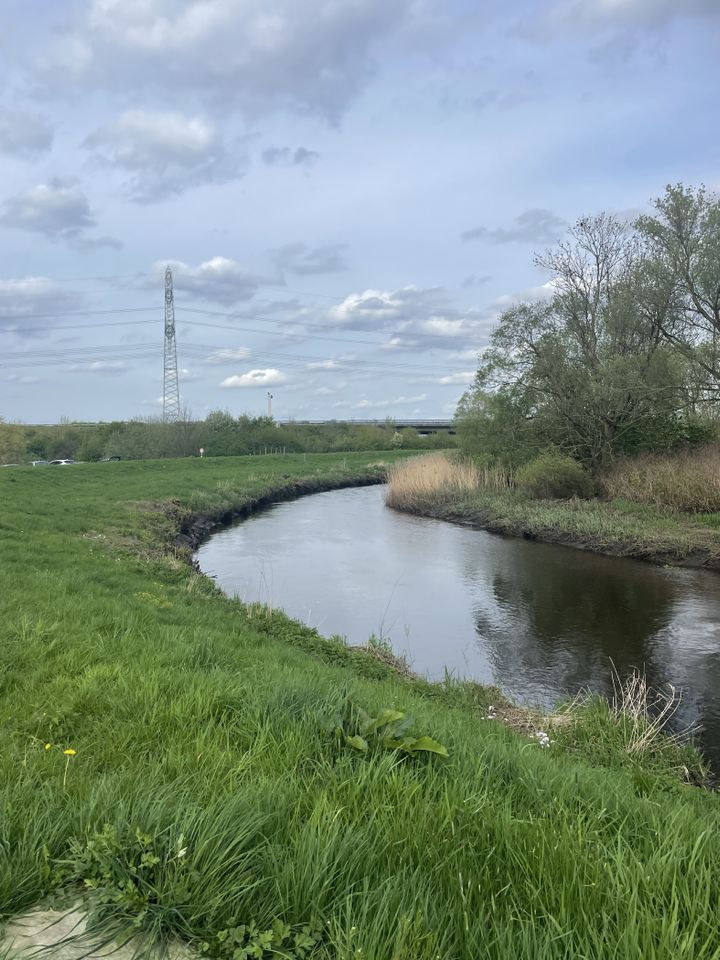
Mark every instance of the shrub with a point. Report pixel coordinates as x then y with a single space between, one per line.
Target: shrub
552 476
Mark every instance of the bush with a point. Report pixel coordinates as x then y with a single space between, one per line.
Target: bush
554 477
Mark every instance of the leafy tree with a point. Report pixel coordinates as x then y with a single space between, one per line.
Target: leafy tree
684 237
582 370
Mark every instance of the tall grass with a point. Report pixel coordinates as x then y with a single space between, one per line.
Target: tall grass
412 482
687 481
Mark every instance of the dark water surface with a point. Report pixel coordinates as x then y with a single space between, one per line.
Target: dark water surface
540 621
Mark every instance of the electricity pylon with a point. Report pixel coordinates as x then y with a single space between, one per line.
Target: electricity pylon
171 388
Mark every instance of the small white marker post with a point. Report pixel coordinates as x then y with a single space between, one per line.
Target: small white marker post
202 452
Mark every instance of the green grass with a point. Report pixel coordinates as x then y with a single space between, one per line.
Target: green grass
208 790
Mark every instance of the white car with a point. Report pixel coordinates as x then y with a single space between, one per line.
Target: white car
61 463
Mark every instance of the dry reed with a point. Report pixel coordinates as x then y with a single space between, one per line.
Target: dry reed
688 481
415 481
645 713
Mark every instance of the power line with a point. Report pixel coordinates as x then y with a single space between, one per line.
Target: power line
318 326
259 283
234 327
14 317
109 352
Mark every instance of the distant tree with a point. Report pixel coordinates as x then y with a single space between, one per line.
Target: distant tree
64 441
12 443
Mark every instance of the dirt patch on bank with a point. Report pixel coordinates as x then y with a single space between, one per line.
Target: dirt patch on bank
63 935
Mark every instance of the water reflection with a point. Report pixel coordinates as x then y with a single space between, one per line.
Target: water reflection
560 617
541 621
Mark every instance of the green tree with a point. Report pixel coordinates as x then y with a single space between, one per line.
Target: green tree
584 369
12 443
684 237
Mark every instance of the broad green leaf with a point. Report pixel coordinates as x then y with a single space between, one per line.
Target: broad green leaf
430 746
383 719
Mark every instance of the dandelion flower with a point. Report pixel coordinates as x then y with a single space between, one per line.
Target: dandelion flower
48 746
70 752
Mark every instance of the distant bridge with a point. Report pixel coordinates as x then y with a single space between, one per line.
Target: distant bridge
423 426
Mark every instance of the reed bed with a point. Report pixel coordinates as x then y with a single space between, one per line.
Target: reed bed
414 482
688 481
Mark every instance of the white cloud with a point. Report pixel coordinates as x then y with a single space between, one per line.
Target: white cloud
412 317
467 377
471 354
544 291
329 365
55 209
218 280
250 55
166 153
24 134
441 327
219 357
100 366
255 378
30 304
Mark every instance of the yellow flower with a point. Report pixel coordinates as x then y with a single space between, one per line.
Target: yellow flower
48 746
70 752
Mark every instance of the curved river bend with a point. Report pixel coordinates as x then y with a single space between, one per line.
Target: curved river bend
540 621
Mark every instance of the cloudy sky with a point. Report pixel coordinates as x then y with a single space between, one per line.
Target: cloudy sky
348 191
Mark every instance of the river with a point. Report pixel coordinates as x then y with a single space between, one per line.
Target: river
541 621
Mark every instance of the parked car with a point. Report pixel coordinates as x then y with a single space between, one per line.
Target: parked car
61 463
109 459
38 463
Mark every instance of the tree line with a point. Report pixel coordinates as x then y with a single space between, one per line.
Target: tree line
621 357
220 434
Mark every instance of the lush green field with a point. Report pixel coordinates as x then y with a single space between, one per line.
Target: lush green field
209 788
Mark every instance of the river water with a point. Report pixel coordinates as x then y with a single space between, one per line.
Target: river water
541 621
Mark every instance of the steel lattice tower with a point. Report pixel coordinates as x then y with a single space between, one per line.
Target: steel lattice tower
171 389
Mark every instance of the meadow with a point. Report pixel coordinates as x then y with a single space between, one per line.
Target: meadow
191 767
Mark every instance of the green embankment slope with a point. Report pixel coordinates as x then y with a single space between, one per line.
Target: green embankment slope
207 789
617 528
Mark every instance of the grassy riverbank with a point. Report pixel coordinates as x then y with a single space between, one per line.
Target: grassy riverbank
432 486
176 756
